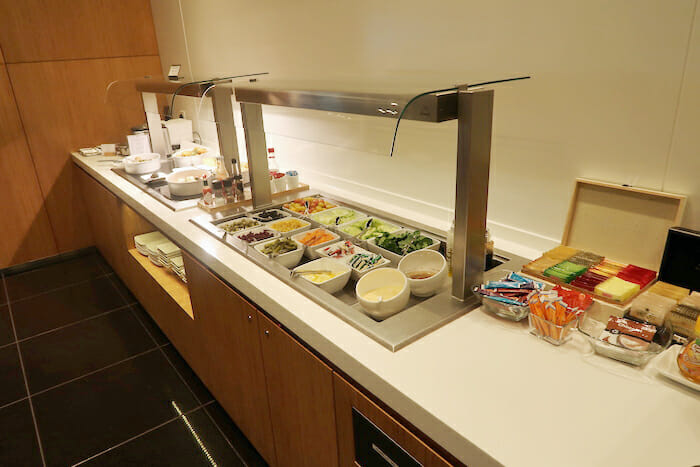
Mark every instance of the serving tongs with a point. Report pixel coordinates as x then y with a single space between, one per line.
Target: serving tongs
368 224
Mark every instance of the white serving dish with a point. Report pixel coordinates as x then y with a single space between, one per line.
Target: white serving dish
332 285
375 279
233 221
179 187
188 161
424 260
667 365
298 214
139 164
235 236
356 273
306 226
365 220
289 259
254 215
314 217
311 251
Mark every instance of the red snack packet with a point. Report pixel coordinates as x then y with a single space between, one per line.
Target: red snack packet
574 299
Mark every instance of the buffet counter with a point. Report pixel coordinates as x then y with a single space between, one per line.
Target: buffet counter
480 387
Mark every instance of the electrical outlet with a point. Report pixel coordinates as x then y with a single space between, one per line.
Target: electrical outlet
181 114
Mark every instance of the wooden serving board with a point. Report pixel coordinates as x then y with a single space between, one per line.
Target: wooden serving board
249 201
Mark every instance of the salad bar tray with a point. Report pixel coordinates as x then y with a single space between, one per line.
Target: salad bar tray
352 239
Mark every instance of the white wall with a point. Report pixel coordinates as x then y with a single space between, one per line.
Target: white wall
615 94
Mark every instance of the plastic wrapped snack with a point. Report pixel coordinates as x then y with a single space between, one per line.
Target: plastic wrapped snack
586 258
617 289
651 308
669 290
561 253
539 265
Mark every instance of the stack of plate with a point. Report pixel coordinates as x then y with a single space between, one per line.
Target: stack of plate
141 241
178 267
166 251
161 252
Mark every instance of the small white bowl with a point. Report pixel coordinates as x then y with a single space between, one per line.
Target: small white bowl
383 277
179 187
305 226
426 261
310 251
235 237
332 285
289 259
188 161
142 163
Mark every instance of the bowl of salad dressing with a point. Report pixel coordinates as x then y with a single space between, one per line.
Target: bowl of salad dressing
383 292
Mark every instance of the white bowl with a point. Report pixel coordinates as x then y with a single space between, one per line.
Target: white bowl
289 259
314 217
427 261
334 284
356 273
142 163
310 251
235 237
383 277
305 226
179 187
188 161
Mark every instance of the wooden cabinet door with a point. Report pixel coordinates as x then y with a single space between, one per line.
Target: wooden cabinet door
104 219
347 398
300 388
229 359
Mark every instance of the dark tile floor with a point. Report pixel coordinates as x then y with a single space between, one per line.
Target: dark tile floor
87 378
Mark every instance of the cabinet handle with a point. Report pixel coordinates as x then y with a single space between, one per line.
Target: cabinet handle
384 456
267 333
250 317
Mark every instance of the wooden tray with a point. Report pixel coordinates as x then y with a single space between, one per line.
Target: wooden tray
555 281
626 224
249 201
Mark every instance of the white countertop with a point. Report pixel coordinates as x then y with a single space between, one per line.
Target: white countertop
481 387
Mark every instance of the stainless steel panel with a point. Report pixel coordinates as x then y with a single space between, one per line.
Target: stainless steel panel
256 148
225 126
473 162
434 107
155 127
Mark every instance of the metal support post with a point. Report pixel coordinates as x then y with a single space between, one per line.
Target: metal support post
256 148
225 126
475 114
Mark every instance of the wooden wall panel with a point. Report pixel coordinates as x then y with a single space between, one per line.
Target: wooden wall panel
26 232
63 108
39 30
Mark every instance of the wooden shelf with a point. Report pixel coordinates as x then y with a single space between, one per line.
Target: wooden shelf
249 201
168 281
